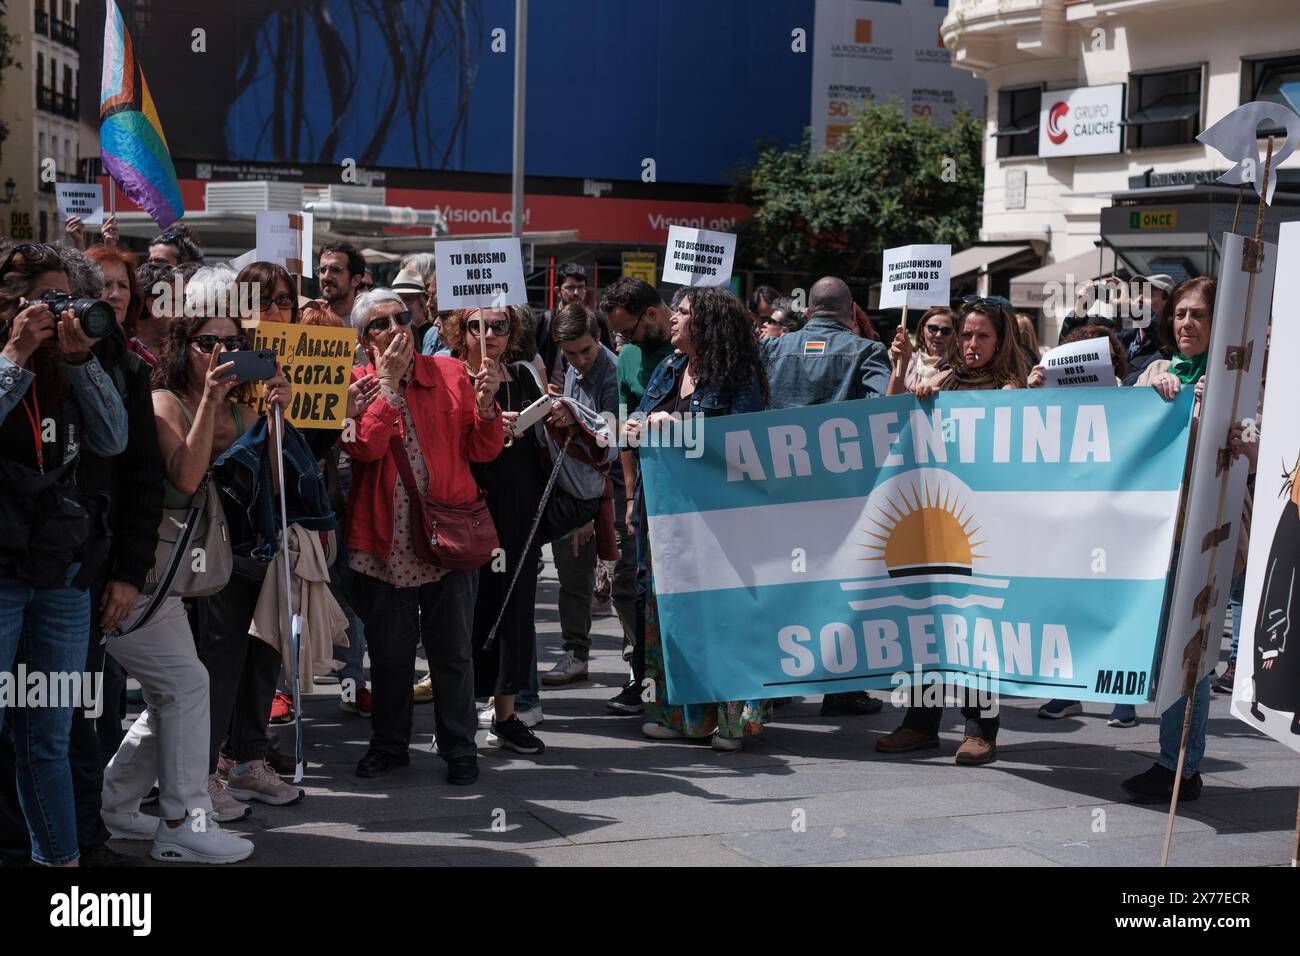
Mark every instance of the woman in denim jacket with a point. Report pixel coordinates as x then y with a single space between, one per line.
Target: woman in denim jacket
716 370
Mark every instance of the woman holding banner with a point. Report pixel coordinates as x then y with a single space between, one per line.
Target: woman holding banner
1184 328
989 357
936 348
716 370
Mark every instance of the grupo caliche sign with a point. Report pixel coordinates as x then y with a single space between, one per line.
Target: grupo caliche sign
1085 121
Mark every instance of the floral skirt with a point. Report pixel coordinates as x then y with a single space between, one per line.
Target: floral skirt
732 718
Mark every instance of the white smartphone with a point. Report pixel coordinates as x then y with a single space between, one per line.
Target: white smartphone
533 414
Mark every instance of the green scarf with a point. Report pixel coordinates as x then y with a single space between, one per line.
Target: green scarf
1188 370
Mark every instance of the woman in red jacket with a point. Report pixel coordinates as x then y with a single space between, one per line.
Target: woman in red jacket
444 419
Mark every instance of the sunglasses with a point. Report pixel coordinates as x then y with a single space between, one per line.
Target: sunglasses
208 343
498 327
382 323
939 331
36 253
994 300
282 301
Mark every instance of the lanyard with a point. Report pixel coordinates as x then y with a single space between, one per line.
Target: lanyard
33 410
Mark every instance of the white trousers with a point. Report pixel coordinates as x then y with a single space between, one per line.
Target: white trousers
168 741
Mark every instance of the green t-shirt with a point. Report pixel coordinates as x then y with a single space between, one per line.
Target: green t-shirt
635 366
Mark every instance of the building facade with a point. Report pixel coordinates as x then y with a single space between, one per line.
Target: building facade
1093 110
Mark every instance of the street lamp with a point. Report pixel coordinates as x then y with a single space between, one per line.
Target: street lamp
10 188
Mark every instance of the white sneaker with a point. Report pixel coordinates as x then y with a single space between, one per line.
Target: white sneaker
727 744
533 716
130 826
207 843
262 783
660 732
487 715
566 670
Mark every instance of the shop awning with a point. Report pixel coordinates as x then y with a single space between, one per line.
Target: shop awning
1044 287
979 258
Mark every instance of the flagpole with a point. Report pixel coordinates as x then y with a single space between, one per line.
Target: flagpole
1252 260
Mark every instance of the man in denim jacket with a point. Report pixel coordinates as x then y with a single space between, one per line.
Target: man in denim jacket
827 361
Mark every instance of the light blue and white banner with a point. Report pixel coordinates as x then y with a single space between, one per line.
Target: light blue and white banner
1019 536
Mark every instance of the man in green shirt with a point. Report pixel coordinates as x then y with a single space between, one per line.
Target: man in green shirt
636 311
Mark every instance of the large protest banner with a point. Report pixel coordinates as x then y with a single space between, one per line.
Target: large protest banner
317 361
1199 601
1020 535
1266 693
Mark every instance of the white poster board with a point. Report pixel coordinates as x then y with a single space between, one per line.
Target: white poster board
1199 585
915 277
1085 363
85 200
1266 694
285 238
698 257
479 273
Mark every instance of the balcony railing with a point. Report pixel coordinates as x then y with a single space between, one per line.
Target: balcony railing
42 23
64 33
53 101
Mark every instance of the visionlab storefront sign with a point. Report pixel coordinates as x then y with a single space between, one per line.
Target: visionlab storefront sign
1084 121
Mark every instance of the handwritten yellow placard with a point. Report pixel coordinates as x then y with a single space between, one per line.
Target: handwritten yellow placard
317 361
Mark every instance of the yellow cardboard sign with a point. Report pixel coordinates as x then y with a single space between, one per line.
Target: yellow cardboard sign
317 361
641 265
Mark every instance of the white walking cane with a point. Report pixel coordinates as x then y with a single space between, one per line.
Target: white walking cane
295 620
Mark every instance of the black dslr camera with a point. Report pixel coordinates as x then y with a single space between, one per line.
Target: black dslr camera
95 316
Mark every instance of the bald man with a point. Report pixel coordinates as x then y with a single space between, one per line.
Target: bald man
827 361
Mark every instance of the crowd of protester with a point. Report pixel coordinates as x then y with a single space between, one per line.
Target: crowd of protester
124 438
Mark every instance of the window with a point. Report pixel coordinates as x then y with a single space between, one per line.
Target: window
40 69
1164 108
40 146
1017 132
54 151
1276 80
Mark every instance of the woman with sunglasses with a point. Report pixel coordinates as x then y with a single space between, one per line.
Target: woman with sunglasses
201 412
276 299
47 375
935 350
513 483
441 417
989 357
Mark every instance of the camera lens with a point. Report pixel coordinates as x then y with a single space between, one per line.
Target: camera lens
96 317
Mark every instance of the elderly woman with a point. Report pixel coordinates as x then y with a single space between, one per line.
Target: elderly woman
935 349
48 379
440 418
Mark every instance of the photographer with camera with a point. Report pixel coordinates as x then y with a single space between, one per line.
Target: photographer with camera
55 534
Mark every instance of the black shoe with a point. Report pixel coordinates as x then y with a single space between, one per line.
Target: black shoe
514 734
628 700
104 857
376 763
1157 786
282 764
462 771
1223 683
856 703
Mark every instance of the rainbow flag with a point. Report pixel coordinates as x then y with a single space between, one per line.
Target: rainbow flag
131 142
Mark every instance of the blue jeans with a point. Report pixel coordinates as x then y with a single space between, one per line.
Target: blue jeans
1236 594
49 631
530 698
1171 730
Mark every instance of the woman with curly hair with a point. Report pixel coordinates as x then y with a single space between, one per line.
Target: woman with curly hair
715 371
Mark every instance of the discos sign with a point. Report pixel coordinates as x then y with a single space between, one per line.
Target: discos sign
1085 121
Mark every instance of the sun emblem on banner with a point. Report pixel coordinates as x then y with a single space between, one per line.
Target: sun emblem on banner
924 529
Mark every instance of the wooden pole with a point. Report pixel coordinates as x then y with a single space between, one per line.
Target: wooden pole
898 363
1196 650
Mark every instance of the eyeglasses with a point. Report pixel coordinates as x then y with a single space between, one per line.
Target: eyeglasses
498 327
282 301
939 331
208 343
382 323
996 300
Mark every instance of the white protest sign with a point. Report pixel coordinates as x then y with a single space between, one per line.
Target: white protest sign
479 273
915 276
698 257
285 238
1086 362
85 200
1266 693
1213 512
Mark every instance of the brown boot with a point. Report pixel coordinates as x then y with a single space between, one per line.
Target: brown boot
904 739
975 751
